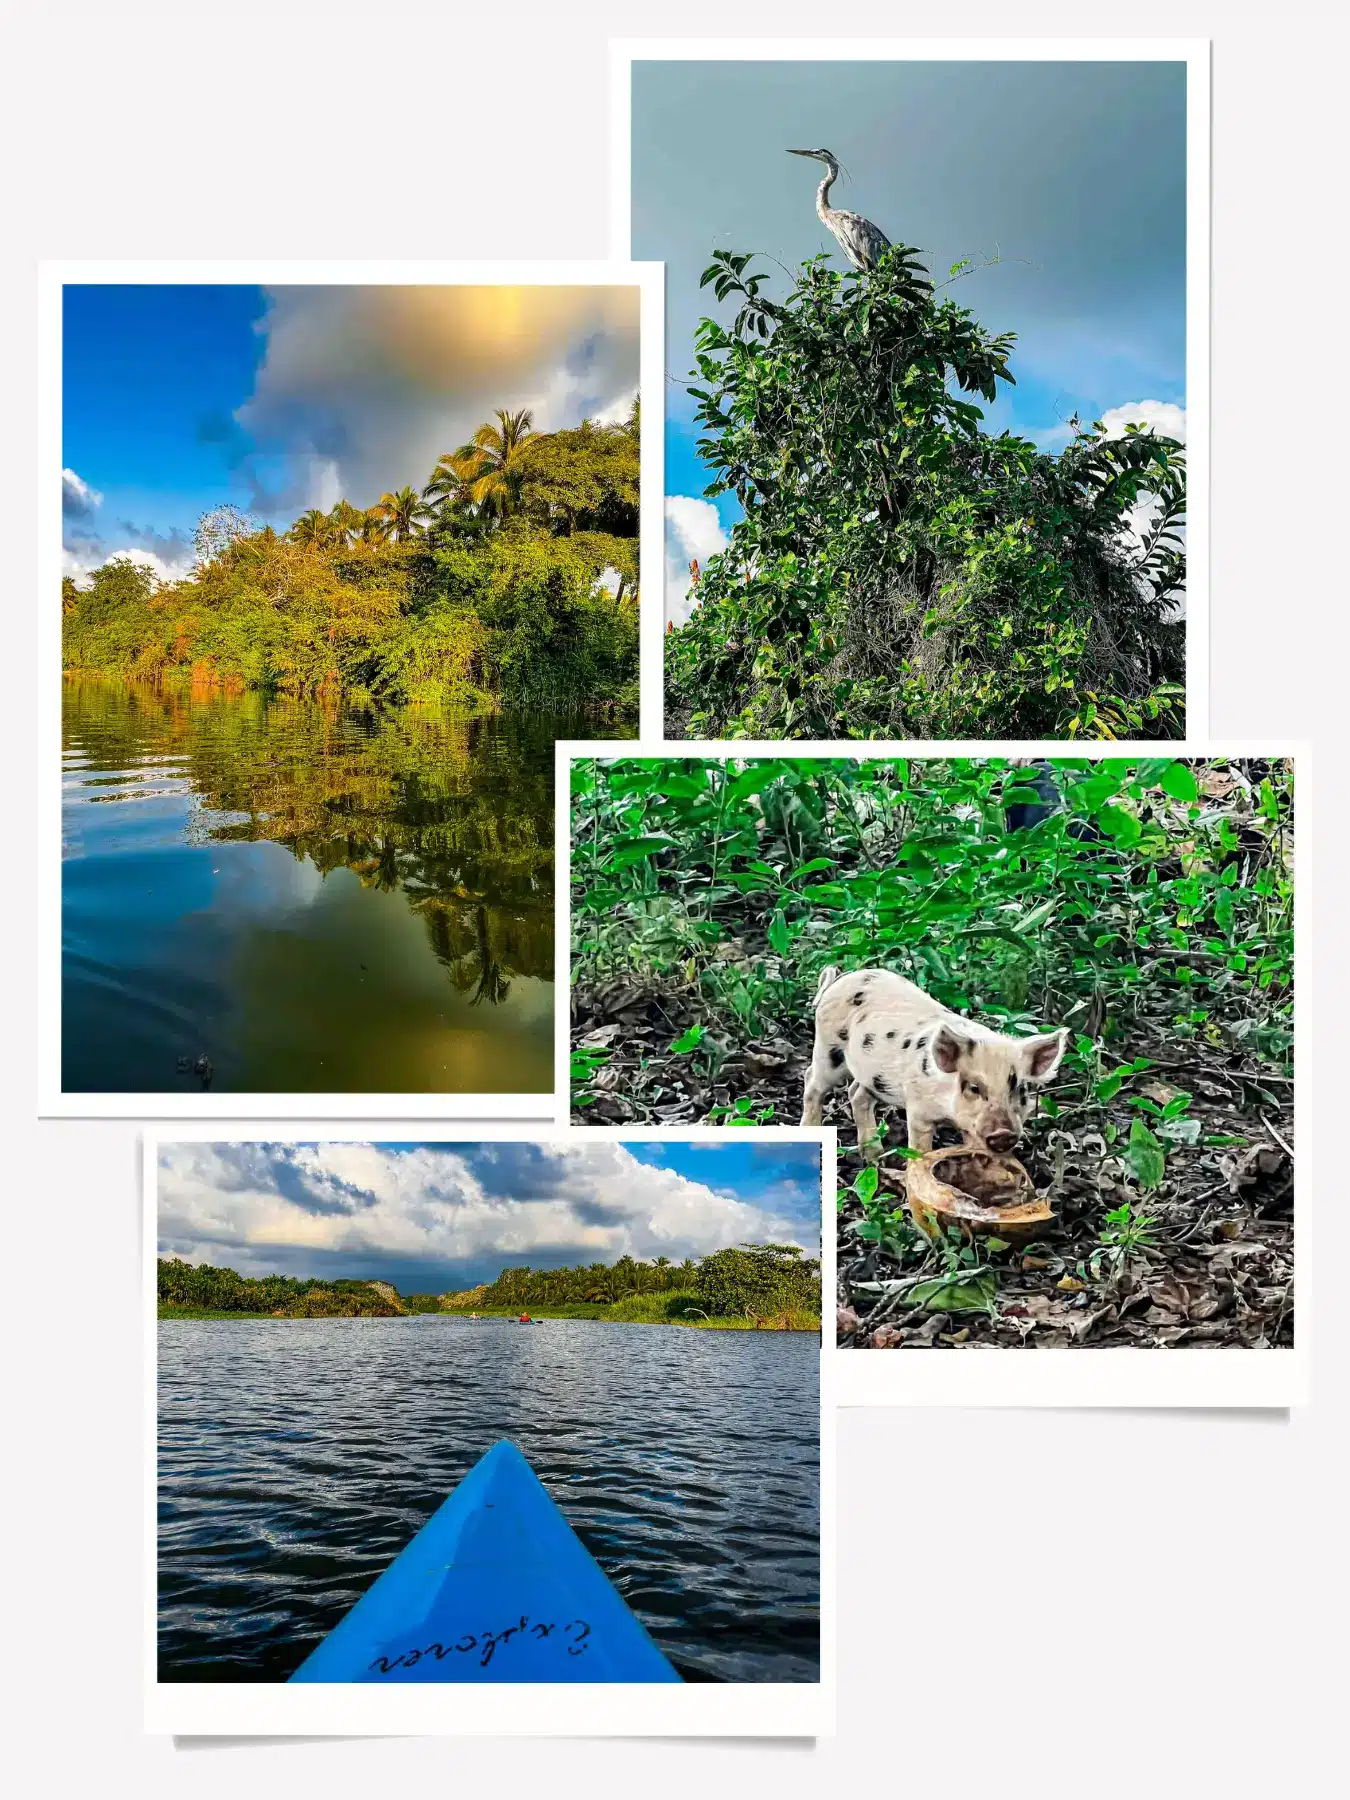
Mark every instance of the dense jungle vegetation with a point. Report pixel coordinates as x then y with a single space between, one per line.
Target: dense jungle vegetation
765 1285
899 572
1146 904
512 577
201 1288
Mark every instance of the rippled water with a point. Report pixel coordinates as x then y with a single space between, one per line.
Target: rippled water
297 1457
264 895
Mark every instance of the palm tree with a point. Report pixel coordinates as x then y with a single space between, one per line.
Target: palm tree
403 513
346 520
314 528
489 465
373 528
447 489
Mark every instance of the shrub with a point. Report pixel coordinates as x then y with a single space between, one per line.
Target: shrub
899 572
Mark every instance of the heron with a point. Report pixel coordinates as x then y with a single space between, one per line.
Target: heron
859 238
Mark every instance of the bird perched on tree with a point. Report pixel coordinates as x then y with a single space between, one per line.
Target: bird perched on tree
859 238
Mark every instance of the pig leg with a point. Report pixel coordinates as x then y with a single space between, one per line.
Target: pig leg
921 1129
865 1118
824 1073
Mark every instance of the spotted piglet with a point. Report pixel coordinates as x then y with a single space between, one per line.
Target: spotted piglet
896 1045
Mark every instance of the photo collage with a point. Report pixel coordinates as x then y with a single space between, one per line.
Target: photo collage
638 835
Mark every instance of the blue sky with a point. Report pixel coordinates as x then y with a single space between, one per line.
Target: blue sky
1072 173
146 371
433 1216
178 399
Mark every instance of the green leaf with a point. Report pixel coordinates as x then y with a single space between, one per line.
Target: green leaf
1178 780
689 1040
1145 1155
865 1183
628 851
779 936
1119 825
955 1293
753 780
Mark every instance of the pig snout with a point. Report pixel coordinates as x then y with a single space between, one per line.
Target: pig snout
1001 1141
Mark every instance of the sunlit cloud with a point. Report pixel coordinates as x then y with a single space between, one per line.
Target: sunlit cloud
363 388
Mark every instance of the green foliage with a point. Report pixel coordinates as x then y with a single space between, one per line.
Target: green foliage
1126 1230
741 1112
956 1293
899 572
200 1287
884 1223
661 1308
585 1066
583 481
1187 911
1145 1155
513 581
758 1281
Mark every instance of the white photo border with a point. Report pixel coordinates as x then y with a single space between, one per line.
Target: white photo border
996 1376
802 1709
54 277
1193 52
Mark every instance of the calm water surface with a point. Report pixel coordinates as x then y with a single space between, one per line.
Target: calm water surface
308 898
297 1457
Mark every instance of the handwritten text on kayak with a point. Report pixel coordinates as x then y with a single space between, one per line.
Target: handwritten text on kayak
573 1637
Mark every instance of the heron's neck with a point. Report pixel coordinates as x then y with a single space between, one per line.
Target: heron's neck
823 193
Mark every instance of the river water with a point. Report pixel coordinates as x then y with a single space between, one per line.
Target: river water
297 1457
272 896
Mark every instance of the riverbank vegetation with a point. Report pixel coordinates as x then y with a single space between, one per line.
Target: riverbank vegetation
511 578
897 571
1147 904
753 1287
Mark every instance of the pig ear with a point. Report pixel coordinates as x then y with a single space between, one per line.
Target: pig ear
1041 1055
946 1051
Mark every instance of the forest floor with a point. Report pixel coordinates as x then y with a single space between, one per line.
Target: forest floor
1213 1267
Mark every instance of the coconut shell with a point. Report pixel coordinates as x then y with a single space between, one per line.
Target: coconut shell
977 1192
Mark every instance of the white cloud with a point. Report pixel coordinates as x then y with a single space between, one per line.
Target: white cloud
157 565
616 411
80 564
241 1204
693 533
1162 416
78 499
1168 420
325 485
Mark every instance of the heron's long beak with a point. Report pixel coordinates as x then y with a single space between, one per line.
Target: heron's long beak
801 152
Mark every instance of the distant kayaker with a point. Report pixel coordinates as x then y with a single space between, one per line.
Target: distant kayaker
525 1319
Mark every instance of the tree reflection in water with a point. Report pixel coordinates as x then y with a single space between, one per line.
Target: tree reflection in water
456 812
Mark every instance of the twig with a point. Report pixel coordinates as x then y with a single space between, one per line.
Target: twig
1287 1147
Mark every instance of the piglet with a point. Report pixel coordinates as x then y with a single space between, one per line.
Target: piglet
896 1045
